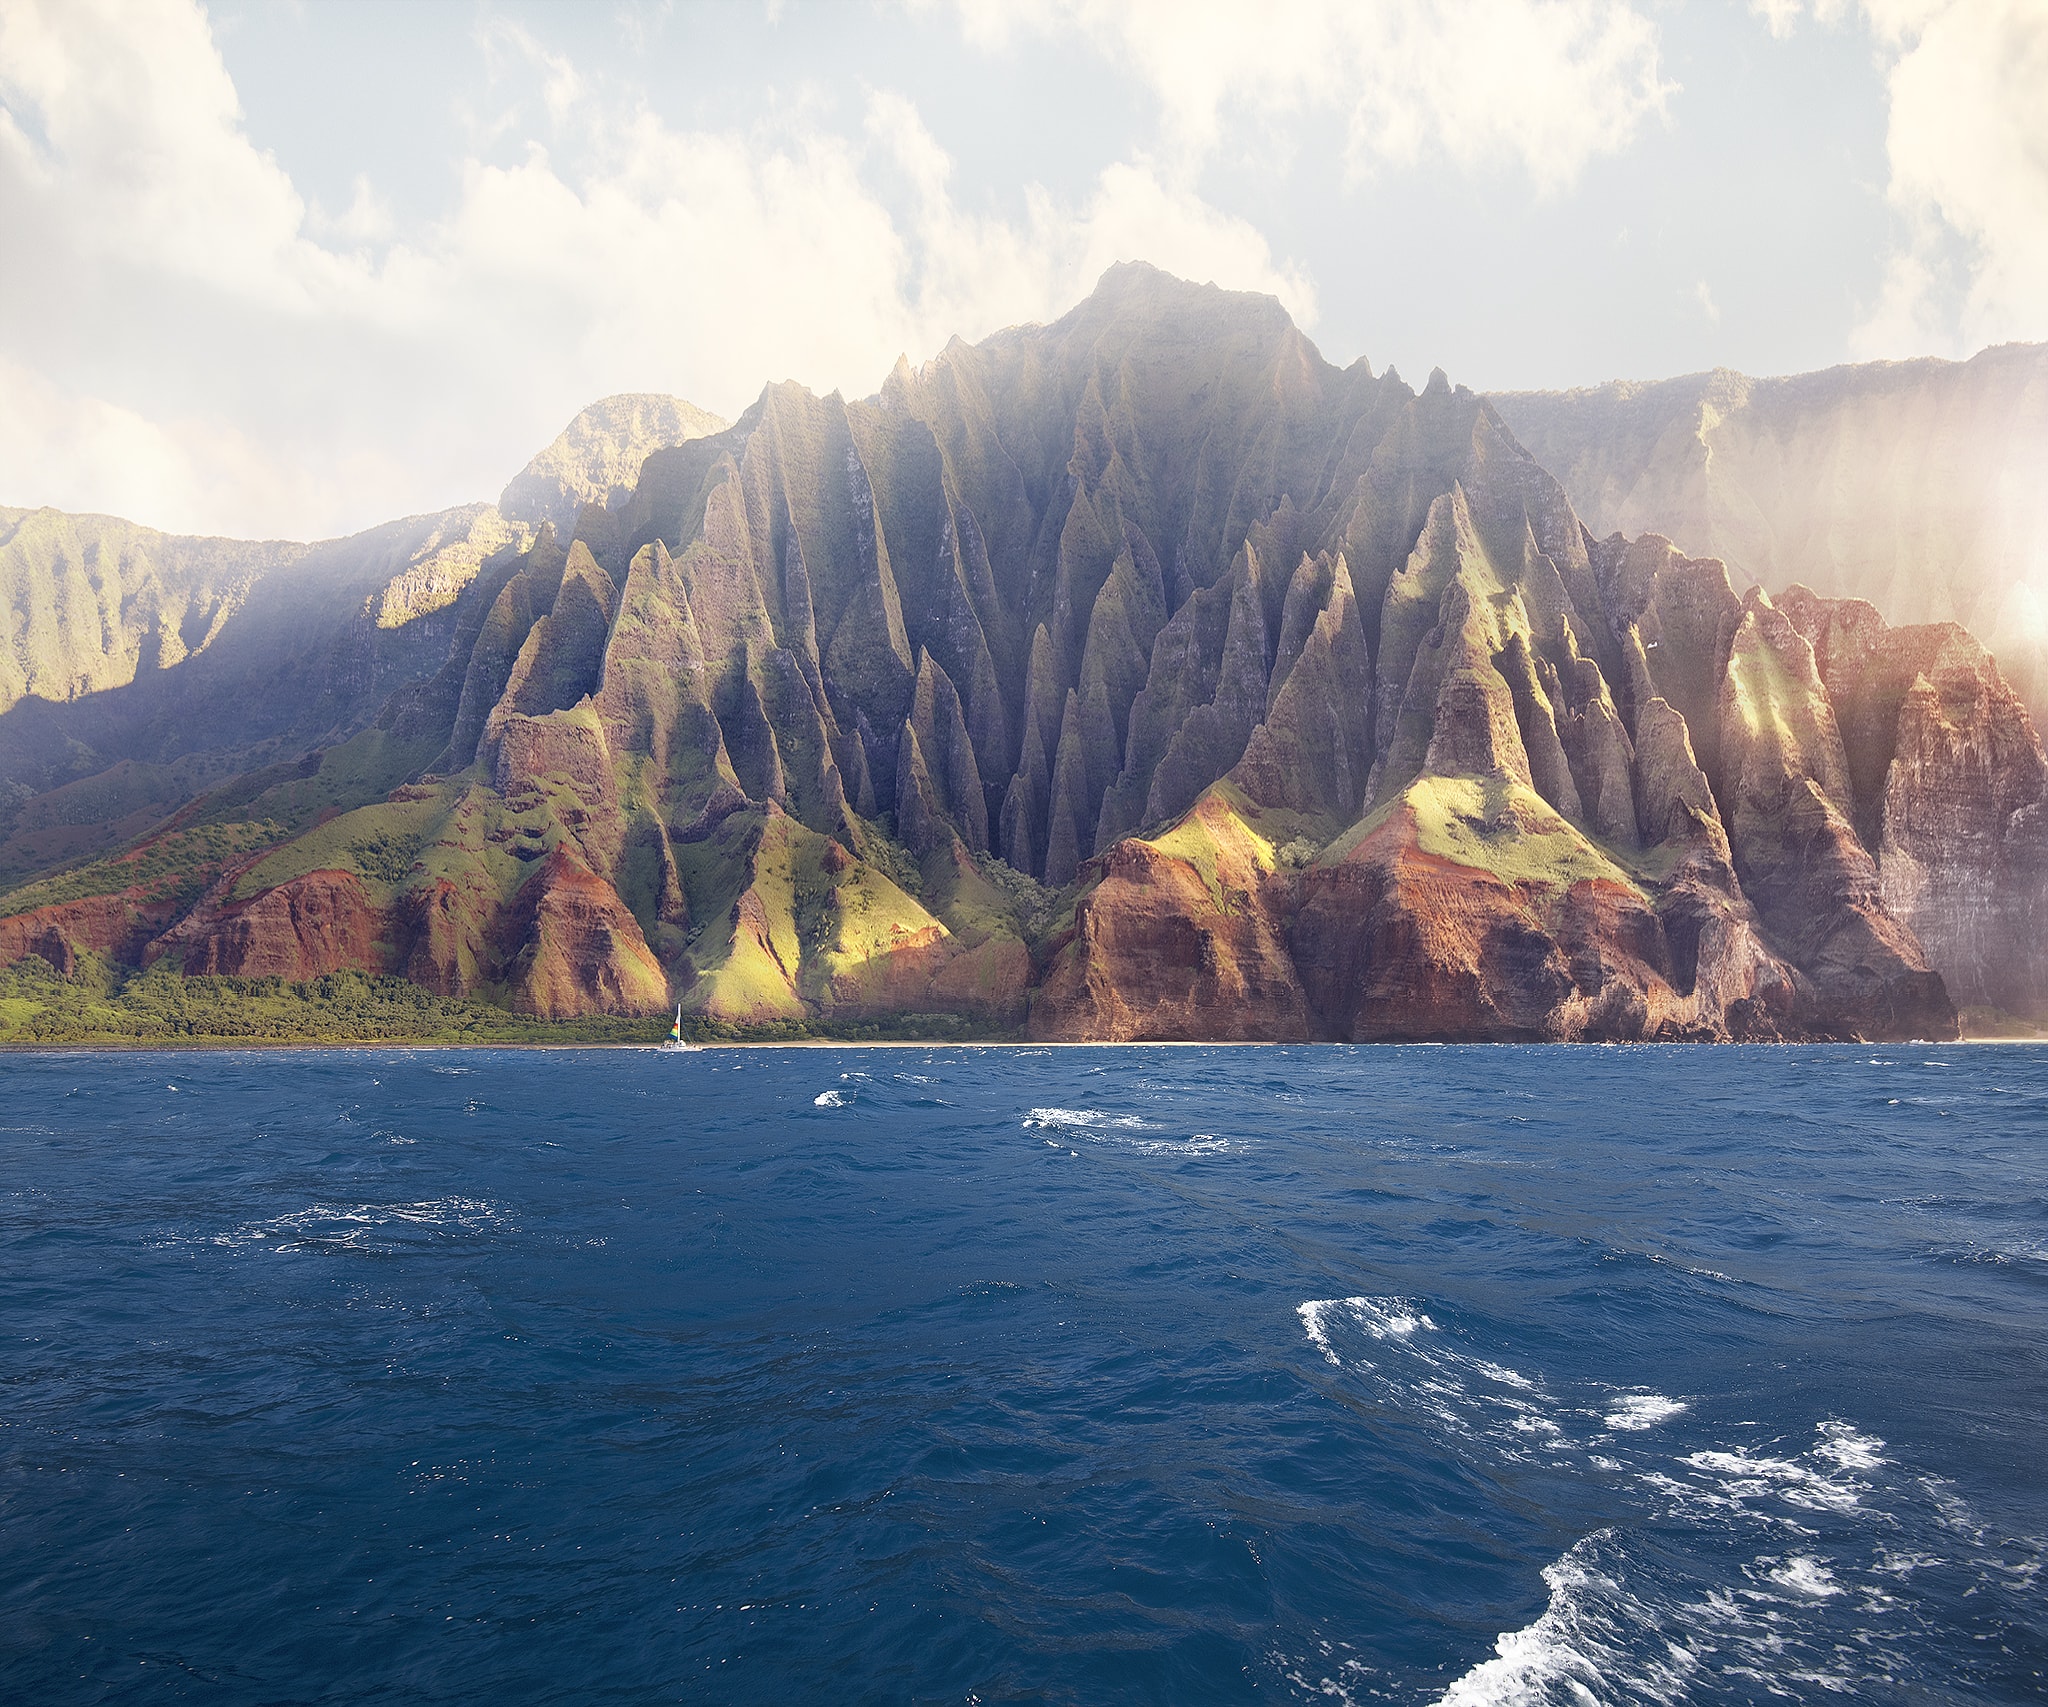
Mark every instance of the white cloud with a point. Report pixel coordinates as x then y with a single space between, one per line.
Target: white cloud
190 475
1781 17
136 112
562 86
364 222
185 341
1968 149
977 274
1546 86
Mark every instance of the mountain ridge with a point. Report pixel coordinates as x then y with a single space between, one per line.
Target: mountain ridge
1912 484
1141 674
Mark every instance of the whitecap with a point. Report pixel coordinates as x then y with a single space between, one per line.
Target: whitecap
1616 1629
366 1226
1201 1144
832 1099
1311 1314
1427 1372
1904 1564
1576 1648
1852 1451
1383 1318
1804 1574
1632 1411
1087 1119
1117 1129
1741 1476
1388 1318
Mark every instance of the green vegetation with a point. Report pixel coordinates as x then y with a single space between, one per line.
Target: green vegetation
865 916
378 843
881 1028
752 980
386 855
175 867
355 773
112 1005
91 818
874 845
108 1005
997 897
1193 841
1267 837
784 916
1493 824
1764 691
180 855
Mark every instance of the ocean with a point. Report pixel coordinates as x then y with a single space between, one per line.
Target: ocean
1464 1375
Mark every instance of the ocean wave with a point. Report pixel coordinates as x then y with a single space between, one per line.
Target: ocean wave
1805 1575
1708 1593
833 1099
1089 1120
1849 1449
1311 1313
1621 1628
1739 1476
368 1226
1382 1318
1199 1144
1634 1411
2024 1257
1121 1131
1579 1649
1413 1365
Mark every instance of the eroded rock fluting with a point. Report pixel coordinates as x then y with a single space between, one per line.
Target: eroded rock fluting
1145 676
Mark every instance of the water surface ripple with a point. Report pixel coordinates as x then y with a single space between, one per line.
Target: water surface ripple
1154 1375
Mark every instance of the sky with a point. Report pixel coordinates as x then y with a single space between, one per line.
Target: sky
292 268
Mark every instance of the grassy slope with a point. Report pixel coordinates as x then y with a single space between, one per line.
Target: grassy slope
174 867
1493 825
177 857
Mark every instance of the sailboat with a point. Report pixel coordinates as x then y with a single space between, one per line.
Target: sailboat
675 1044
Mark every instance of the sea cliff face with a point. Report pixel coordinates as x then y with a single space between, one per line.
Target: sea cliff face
1138 676
1915 486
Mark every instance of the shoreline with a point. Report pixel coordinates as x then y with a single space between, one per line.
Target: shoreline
214 1046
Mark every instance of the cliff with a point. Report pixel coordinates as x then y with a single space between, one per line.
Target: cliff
1143 675
1914 486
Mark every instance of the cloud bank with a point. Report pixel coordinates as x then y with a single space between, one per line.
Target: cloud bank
188 338
1967 146
1543 86
186 341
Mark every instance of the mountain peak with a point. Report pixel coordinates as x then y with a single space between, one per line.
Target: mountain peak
1140 287
596 458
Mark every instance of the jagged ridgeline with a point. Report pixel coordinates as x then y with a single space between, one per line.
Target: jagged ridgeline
1916 484
1143 675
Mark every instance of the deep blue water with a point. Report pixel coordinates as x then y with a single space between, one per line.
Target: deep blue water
1174 1375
